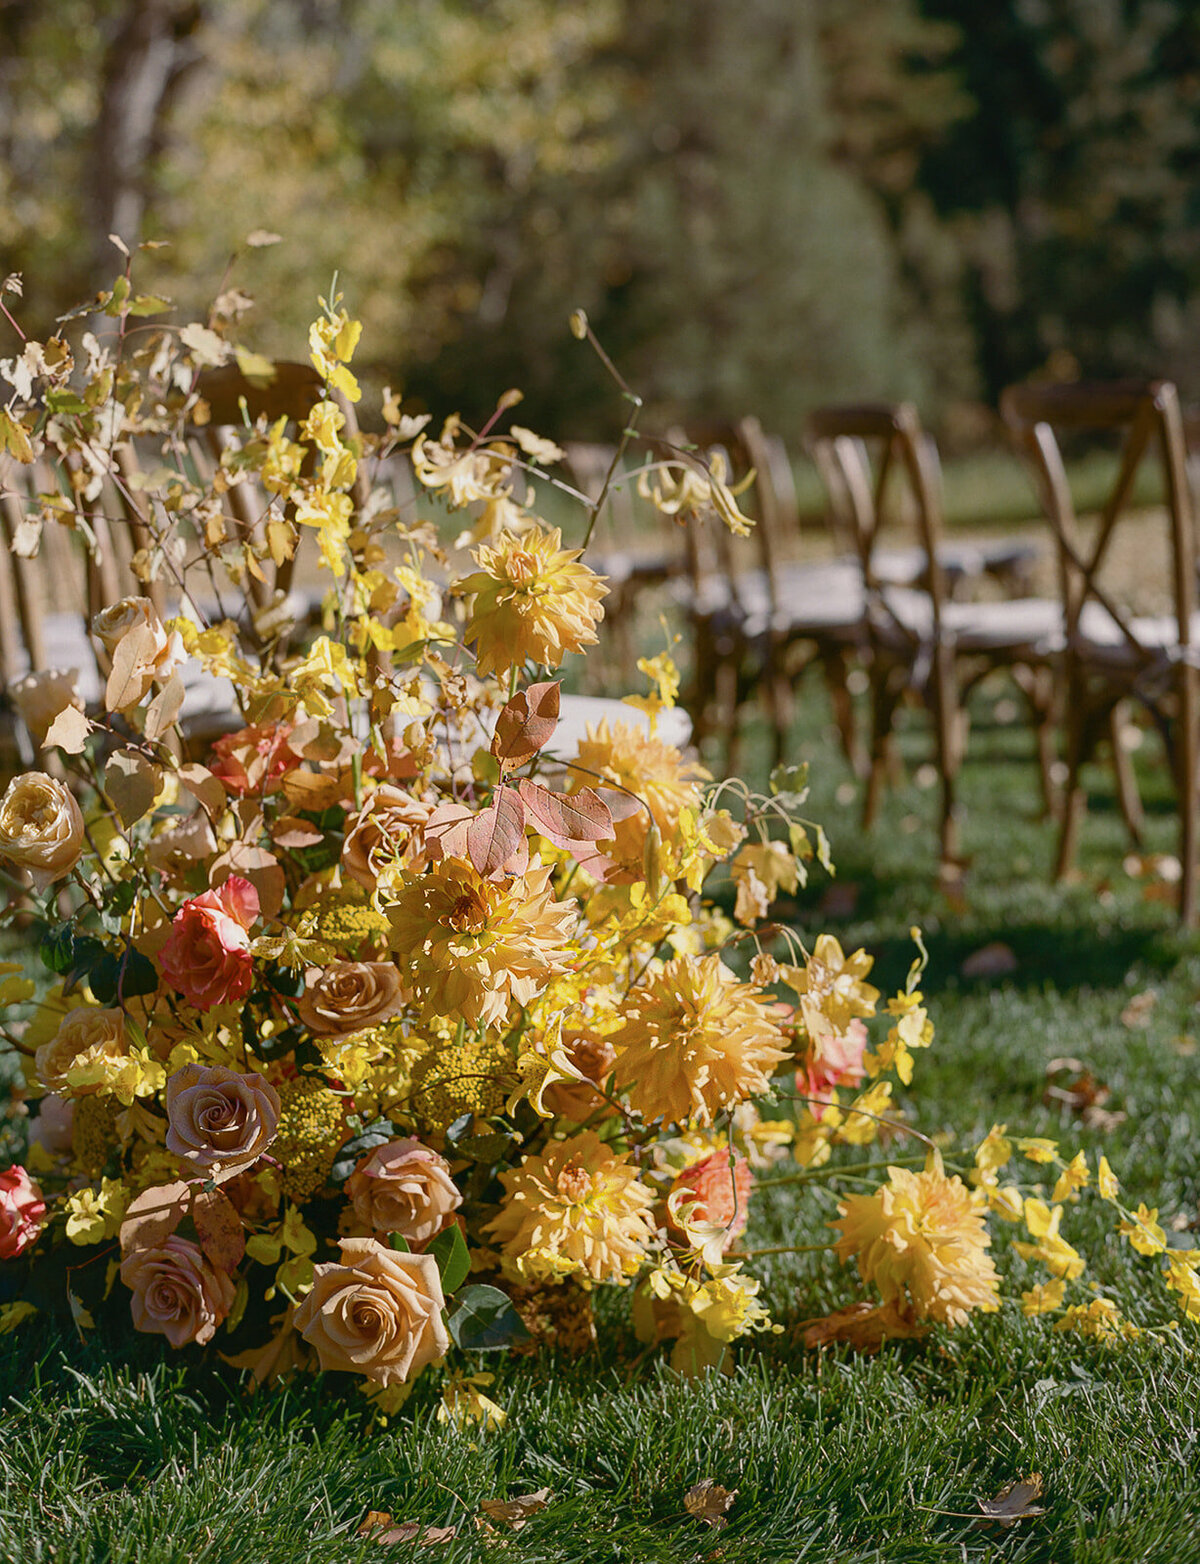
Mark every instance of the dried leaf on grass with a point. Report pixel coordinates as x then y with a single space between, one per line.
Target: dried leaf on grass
515 1512
993 960
1136 1014
1014 1502
709 1502
1073 1088
380 1527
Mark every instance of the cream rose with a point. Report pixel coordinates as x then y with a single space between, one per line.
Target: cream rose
41 827
176 1292
378 1313
404 1188
349 997
162 654
220 1121
40 697
387 828
87 1036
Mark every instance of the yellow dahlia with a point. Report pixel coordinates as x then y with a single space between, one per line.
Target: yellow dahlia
921 1239
576 1210
533 601
655 772
694 1040
468 946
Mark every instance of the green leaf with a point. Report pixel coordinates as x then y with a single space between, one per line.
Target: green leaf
399 1243
485 1321
65 402
147 304
109 982
790 779
57 949
449 1249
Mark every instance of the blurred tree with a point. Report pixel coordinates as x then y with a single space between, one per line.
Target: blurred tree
1075 188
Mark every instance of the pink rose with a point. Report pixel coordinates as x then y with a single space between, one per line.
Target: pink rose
176 1292
721 1198
404 1188
219 1122
21 1211
835 1059
207 956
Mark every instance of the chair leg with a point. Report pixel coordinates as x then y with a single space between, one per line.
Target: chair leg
883 709
1187 764
1073 799
1128 797
835 668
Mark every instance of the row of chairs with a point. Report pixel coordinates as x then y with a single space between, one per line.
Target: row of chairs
899 614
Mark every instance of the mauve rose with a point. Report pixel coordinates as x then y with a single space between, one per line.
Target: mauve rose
404 1188
41 827
219 1121
378 1313
720 1198
21 1211
385 830
207 954
836 1059
349 996
176 1292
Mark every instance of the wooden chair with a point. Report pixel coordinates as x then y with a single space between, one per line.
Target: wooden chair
1111 655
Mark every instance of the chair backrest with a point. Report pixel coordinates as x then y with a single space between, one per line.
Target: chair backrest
860 452
1146 417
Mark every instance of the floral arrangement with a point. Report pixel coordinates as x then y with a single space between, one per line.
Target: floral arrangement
381 1031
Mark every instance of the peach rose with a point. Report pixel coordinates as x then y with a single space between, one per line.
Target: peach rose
176 1292
404 1188
595 1056
161 654
251 759
720 1198
207 954
41 827
835 1059
387 828
87 1035
349 996
21 1211
378 1313
219 1121
40 697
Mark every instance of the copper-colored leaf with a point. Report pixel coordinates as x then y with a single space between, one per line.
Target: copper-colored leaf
68 731
515 1512
219 1228
132 660
258 866
133 783
292 832
525 724
308 790
1014 1502
154 1215
607 870
164 708
709 1502
445 833
496 833
564 818
205 788
380 1527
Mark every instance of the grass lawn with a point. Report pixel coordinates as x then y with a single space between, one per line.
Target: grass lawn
121 1450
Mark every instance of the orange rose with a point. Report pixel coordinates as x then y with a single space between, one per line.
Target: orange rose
721 1198
378 1313
207 955
176 1292
219 1121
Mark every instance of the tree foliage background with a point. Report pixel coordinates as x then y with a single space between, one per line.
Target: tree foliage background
762 206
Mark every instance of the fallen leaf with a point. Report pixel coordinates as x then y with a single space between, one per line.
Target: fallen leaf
1014 1502
379 1526
525 724
839 899
994 960
1136 1014
709 1502
515 1512
68 731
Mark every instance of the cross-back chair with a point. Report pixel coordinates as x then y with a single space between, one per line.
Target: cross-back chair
1111 654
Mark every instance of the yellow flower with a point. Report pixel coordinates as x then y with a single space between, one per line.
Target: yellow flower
1051 1249
468 946
992 1153
1182 1278
332 341
654 772
1076 1175
760 871
533 601
95 1214
693 1040
478 473
832 983
1100 1320
1143 1232
1106 1181
1038 1149
577 1209
922 1237
1043 1298
698 490
1005 1201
